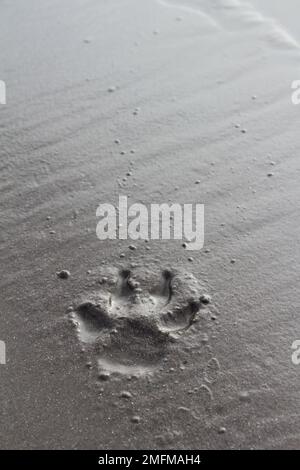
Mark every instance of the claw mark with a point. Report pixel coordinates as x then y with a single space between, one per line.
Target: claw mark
163 291
124 286
167 284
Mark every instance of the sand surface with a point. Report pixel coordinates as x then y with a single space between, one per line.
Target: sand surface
200 91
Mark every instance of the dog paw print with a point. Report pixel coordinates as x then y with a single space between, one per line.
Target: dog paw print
136 316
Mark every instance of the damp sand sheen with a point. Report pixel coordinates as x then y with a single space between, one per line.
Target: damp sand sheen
144 344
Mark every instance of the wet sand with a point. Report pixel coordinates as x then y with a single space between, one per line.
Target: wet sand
192 91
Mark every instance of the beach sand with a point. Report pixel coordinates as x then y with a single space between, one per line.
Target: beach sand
146 99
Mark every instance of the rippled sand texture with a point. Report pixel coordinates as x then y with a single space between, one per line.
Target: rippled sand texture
146 99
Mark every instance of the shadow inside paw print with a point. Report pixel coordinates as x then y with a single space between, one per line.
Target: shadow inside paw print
136 316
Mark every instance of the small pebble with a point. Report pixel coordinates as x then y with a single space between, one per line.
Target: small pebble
125 394
221 430
197 182
191 259
111 89
244 396
232 261
64 274
104 376
132 247
117 141
270 174
205 299
135 419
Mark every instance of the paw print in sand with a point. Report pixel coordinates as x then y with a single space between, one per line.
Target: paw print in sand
136 316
